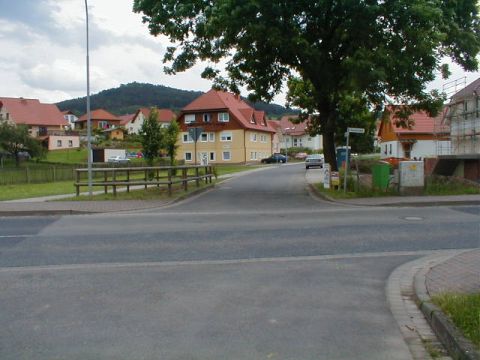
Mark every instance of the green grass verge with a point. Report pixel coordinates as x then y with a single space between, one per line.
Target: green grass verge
362 193
67 156
446 186
464 311
25 191
151 193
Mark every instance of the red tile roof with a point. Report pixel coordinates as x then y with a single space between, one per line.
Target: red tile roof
164 115
99 114
294 129
125 119
222 100
422 124
33 112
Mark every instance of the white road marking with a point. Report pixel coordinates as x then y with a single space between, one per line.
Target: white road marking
14 235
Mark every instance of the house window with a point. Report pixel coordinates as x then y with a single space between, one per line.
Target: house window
59 143
70 143
252 120
189 118
212 156
204 137
103 124
188 156
226 136
187 138
390 149
386 149
253 137
224 117
253 155
263 138
211 137
207 118
226 156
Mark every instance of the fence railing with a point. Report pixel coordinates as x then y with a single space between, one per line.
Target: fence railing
127 177
33 175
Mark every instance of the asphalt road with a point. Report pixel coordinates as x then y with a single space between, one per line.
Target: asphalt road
255 269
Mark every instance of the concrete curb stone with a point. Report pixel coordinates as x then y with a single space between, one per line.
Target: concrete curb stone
456 344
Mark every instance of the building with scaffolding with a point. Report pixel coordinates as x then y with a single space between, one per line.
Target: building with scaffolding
462 120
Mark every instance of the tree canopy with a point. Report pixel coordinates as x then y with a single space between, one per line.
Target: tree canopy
375 50
151 137
15 139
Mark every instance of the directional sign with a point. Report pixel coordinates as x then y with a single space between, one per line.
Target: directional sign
195 133
356 130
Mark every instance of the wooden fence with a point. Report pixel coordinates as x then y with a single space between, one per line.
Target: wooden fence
127 177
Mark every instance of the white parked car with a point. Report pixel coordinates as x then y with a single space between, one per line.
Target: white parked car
118 159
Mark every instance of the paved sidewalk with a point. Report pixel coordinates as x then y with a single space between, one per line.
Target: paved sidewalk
459 274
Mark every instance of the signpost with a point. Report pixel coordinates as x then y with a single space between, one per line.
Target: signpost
347 135
195 133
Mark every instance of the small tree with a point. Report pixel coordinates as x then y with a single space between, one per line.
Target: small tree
170 143
15 139
151 137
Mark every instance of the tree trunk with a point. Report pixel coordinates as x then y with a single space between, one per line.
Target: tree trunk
328 136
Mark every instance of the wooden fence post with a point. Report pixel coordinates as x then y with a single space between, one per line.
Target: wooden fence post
185 181
77 180
27 175
197 181
128 180
114 181
169 181
105 179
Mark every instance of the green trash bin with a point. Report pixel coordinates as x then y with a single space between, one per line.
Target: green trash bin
381 175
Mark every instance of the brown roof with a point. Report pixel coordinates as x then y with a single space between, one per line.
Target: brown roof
222 100
32 112
99 114
164 115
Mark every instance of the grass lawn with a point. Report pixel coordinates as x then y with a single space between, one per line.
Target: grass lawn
362 193
151 193
24 191
464 311
68 156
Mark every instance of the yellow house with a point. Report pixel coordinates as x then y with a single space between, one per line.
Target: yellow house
232 131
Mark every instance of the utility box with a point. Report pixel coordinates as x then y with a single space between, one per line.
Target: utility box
342 156
411 177
381 176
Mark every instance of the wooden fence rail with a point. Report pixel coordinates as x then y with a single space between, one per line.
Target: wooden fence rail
144 176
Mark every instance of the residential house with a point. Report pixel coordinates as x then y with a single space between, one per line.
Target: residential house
70 117
276 144
125 120
296 135
114 133
100 119
233 131
416 142
462 116
164 117
44 121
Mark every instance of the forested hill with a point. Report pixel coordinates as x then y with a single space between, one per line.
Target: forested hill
128 98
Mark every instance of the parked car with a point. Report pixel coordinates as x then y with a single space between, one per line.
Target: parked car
275 158
314 160
301 155
118 160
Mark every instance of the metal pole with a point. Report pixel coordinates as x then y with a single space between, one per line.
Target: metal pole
346 165
89 120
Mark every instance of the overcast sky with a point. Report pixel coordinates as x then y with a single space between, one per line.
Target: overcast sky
42 53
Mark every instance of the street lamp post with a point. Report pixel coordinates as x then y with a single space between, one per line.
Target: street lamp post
89 120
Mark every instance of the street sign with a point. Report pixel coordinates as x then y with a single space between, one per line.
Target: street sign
195 133
356 130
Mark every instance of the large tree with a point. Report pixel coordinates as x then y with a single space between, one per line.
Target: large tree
378 50
15 140
171 139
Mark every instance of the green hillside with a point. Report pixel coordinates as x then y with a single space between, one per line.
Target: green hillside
128 98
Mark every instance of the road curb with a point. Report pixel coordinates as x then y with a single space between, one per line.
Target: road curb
456 344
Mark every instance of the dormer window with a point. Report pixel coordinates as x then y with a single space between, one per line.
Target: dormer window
207 118
252 120
189 118
224 117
